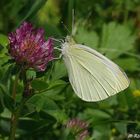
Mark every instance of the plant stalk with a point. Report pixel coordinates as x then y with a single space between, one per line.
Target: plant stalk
14 120
15 114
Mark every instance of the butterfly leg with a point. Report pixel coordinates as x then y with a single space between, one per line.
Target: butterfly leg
59 57
57 49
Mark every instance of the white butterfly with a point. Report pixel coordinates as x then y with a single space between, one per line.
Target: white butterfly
92 76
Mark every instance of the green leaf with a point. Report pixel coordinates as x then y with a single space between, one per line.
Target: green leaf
59 70
3 89
39 85
6 114
49 13
54 96
46 104
89 38
130 64
122 98
122 128
49 104
69 8
7 74
31 74
52 30
41 102
102 132
34 7
56 83
59 115
95 115
9 102
116 39
3 40
56 90
111 101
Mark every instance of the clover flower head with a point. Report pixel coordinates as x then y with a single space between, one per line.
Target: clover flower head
79 128
29 47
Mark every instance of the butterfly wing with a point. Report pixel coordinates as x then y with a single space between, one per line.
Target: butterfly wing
93 76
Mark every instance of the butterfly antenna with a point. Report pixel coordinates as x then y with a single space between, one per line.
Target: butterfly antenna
65 27
73 19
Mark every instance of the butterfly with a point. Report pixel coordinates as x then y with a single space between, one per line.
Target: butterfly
92 75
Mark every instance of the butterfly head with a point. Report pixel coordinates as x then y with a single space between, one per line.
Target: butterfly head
67 44
69 40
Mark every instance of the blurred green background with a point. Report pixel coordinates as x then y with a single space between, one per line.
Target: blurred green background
110 26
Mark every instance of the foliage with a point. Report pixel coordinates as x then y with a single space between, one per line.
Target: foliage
109 26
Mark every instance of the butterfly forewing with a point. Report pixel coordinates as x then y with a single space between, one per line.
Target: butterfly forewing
92 76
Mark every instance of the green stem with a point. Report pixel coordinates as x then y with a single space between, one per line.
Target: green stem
14 120
15 86
15 114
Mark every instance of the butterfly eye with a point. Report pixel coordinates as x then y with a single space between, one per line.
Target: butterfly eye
67 39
